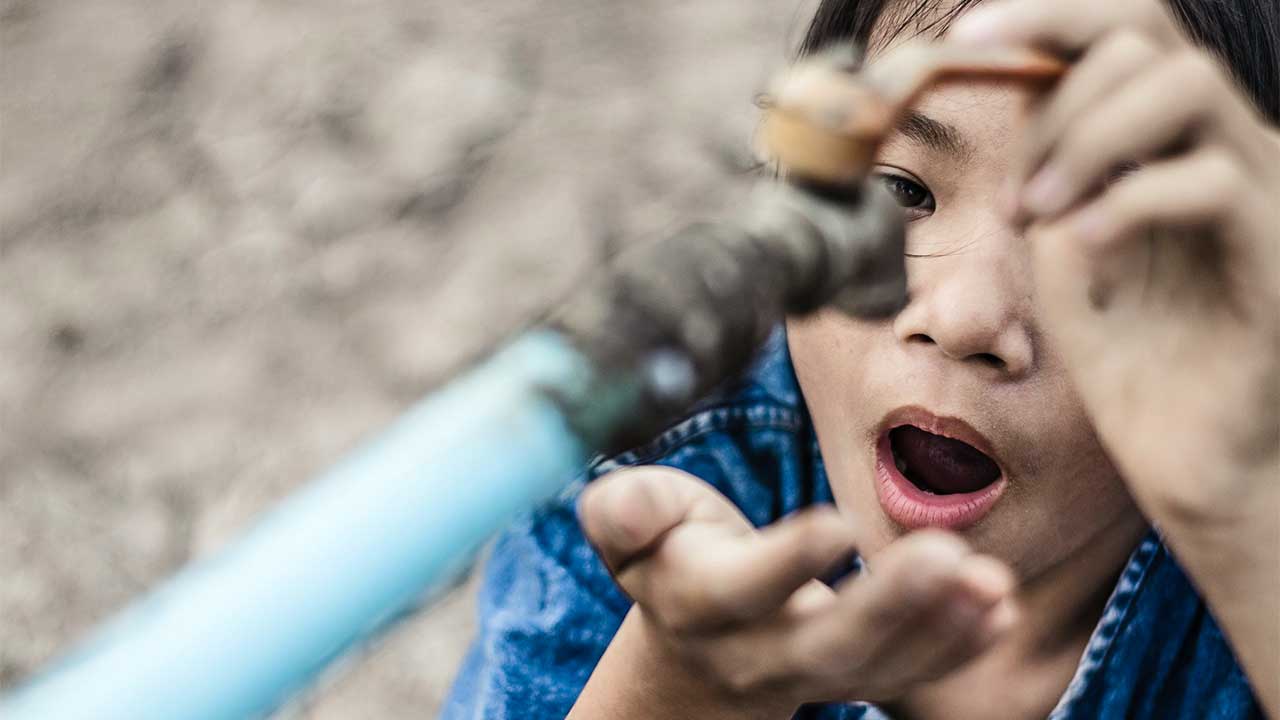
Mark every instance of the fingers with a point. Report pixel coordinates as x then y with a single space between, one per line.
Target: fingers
759 574
1067 27
1139 92
960 625
1105 68
1130 125
701 579
723 590
972 638
1148 240
688 556
929 605
1202 188
626 512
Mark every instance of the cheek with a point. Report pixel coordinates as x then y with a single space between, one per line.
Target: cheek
833 358
1072 471
1065 515
1069 496
829 351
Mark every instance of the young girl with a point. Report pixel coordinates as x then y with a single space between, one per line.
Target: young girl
1058 466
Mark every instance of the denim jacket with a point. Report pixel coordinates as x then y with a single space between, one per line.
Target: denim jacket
548 607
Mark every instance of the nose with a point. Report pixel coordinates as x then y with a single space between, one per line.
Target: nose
972 308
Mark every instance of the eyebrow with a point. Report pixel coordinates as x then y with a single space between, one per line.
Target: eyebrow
932 134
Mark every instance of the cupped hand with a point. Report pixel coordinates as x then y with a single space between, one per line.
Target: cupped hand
744 610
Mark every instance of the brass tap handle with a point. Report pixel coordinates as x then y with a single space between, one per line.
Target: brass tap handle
825 123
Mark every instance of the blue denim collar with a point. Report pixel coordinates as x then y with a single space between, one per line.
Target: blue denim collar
1117 611
1119 606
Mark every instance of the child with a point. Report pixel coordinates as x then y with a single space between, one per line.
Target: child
1091 350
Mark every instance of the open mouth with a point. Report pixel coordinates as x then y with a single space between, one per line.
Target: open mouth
930 471
940 465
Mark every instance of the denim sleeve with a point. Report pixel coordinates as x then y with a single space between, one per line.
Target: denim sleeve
547 610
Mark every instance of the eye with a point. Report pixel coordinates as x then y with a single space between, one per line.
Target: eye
911 195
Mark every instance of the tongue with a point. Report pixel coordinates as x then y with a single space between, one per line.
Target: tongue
942 465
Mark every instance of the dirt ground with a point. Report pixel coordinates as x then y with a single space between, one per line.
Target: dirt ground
236 237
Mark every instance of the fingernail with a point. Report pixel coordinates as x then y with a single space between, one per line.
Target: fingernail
995 622
1047 193
978 27
1090 226
988 579
963 614
626 511
1003 617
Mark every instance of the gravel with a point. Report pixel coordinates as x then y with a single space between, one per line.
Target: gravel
237 237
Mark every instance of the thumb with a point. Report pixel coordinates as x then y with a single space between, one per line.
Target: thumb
762 573
625 513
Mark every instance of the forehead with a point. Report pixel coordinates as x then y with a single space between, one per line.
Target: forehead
903 20
982 118
983 114
969 103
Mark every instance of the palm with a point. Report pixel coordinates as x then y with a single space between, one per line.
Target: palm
1168 346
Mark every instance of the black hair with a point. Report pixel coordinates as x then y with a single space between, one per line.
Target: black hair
1244 34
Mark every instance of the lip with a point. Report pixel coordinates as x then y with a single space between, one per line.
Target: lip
913 508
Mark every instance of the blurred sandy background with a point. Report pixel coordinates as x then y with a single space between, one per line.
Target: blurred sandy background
236 237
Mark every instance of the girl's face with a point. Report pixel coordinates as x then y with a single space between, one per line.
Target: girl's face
966 359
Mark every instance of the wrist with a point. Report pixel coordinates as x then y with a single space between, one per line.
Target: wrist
692 685
644 674
1233 568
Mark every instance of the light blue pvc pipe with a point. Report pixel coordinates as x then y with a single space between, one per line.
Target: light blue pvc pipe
235 635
